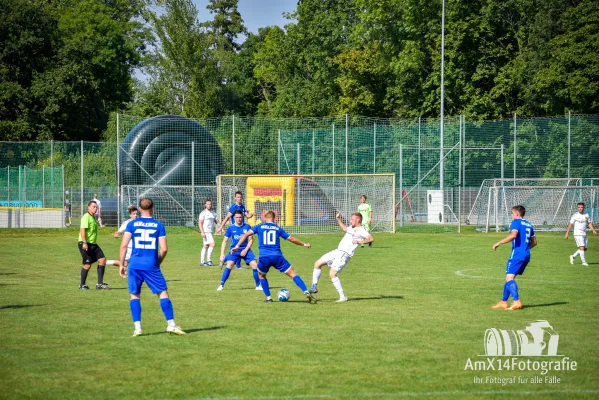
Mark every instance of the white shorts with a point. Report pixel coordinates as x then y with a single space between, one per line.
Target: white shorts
336 259
581 241
209 239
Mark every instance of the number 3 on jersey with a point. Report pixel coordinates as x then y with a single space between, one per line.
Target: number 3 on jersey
145 237
269 237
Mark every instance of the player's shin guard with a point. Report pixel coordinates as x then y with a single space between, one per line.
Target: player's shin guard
506 292
135 305
101 269
225 276
513 288
265 287
316 275
300 284
582 257
167 309
256 277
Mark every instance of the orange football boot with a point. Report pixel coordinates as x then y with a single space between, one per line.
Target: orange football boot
516 305
501 304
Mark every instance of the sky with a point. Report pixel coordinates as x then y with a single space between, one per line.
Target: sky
255 13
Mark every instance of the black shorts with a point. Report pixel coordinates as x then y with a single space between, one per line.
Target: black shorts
93 253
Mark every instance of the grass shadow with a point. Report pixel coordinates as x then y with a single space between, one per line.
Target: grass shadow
381 297
189 331
14 306
557 303
8 273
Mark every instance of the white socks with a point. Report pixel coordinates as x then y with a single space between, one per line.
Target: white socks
137 325
582 256
209 255
337 283
316 275
203 255
576 254
171 322
109 262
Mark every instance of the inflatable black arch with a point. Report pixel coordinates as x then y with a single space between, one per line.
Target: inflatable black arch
158 151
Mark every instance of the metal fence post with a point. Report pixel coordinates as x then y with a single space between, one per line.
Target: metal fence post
374 151
460 177
298 159
193 182
313 142
400 185
569 133
502 176
515 153
233 116
63 196
43 186
81 177
118 173
279 152
8 185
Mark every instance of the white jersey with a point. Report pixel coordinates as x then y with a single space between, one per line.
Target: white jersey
580 222
209 218
122 230
351 234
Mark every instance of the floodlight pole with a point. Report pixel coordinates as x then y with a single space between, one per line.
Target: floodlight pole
441 161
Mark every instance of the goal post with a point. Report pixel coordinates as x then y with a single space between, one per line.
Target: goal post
549 203
308 203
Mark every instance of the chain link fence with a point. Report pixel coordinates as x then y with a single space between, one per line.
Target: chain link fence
560 147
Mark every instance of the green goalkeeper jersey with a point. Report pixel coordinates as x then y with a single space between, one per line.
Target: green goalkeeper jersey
364 209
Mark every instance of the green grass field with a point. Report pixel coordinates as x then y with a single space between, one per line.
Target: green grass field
419 308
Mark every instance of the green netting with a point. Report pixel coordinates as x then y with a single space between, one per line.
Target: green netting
31 188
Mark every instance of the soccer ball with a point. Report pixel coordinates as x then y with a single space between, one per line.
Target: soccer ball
284 295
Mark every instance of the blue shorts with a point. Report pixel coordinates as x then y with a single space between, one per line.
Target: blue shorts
236 257
516 266
153 278
278 262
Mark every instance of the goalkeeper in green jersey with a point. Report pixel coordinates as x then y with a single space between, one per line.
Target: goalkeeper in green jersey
366 211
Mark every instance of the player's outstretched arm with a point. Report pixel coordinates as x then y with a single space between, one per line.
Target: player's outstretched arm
122 253
592 228
163 249
223 247
242 240
298 242
340 222
248 247
222 224
506 239
568 231
368 239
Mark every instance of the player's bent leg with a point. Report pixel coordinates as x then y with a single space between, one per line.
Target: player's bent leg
265 286
255 275
101 285
316 273
300 284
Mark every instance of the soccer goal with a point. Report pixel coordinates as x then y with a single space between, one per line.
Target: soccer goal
308 203
549 203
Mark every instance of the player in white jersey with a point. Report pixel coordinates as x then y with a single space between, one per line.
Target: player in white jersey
206 222
580 221
338 258
132 210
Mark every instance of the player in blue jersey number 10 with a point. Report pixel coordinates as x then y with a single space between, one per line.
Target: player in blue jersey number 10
270 253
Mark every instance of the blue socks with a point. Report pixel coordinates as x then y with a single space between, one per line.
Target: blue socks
513 288
298 281
265 287
225 276
167 309
506 292
256 277
135 306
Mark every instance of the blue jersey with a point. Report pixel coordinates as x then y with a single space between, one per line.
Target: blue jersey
145 232
268 238
521 244
235 232
234 208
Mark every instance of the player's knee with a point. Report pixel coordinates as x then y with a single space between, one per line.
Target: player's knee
87 266
163 294
261 275
134 296
332 273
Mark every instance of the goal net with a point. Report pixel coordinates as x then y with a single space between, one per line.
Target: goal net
308 203
549 203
